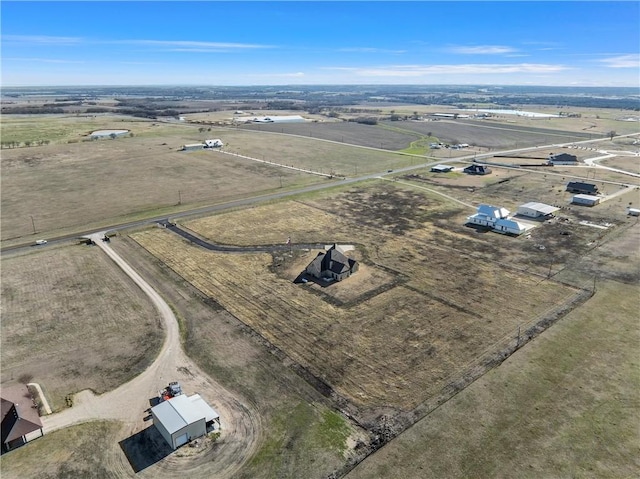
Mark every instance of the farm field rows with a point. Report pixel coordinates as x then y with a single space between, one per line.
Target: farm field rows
383 351
71 321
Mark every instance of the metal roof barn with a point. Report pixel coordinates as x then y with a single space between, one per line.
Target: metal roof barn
585 200
536 210
182 419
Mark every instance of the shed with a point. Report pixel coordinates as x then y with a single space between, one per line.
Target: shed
536 210
20 419
184 418
441 168
217 143
582 188
192 147
633 211
585 200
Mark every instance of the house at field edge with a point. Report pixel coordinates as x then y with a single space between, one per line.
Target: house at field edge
562 159
332 264
20 419
582 188
477 170
184 418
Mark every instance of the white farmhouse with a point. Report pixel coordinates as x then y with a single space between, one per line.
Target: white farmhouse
497 219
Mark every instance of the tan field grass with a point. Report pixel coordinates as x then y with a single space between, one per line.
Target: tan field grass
395 348
564 406
72 321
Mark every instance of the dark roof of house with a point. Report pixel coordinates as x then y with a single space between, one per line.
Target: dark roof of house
582 186
19 414
477 169
563 157
334 260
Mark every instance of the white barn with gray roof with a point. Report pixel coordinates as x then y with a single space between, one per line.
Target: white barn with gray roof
184 418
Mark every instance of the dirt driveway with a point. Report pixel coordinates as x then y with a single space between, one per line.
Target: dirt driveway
129 404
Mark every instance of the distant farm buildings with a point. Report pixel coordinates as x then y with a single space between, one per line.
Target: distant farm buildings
582 188
497 219
585 200
476 169
271 119
333 264
562 159
441 168
217 143
20 419
536 210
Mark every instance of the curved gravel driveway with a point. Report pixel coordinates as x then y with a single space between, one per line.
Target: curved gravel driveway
129 402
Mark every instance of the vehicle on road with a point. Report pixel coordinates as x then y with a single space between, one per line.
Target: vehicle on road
41 242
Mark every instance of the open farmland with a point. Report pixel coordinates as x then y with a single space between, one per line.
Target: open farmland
564 406
108 181
72 321
353 133
383 351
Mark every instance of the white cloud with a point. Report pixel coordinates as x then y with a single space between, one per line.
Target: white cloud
370 50
278 75
41 39
622 61
195 46
482 50
471 69
40 60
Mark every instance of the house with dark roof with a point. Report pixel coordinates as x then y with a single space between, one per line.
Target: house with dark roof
20 419
332 264
582 188
477 170
562 159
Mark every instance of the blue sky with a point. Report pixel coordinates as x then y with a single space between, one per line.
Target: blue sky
275 43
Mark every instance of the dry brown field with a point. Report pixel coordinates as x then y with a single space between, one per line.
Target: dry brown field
71 320
566 405
431 321
627 163
104 182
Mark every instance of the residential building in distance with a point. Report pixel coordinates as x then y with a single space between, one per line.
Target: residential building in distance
582 188
20 420
562 159
476 169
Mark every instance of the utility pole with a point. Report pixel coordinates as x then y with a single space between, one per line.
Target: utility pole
518 344
179 197
33 224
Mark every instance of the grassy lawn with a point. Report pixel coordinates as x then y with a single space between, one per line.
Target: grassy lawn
564 406
85 455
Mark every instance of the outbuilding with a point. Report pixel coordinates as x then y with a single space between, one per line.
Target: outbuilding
184 418
441 168
217 143
633 211
192 147
585 200
536 210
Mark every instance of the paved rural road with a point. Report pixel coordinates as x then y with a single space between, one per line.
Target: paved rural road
129 402
284 194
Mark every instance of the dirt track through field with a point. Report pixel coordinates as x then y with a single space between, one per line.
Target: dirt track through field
128 403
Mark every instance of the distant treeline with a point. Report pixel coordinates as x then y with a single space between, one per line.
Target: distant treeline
31 110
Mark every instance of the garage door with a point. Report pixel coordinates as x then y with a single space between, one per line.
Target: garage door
180 440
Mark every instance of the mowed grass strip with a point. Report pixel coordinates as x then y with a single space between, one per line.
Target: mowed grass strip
71 320
566 405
